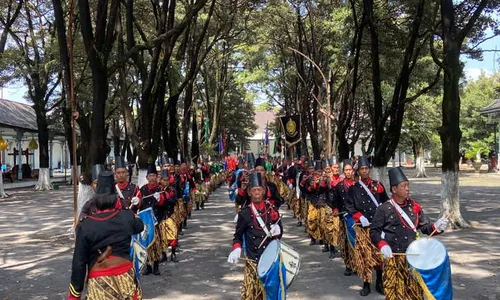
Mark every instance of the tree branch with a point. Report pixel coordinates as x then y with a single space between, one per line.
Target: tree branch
426 89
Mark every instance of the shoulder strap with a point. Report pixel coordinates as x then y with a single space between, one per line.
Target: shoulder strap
259 219
369 193
403 214
119 192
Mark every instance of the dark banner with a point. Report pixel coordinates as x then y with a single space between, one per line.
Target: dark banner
291 126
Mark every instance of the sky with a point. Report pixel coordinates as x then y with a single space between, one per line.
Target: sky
473 68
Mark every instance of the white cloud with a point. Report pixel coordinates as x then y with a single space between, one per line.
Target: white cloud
474 73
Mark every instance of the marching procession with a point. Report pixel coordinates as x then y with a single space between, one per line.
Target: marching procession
126 231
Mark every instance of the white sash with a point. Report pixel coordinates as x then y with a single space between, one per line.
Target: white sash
404 215
119 192
369 193
259 219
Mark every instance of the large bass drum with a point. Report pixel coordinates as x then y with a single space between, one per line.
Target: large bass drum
271 256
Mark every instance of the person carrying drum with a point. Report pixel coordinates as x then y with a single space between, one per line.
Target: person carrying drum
394 227
124 189
103 248
338 206
363 199
150 196
258 224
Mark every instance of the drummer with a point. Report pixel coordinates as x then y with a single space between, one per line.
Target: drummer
255 237
394 227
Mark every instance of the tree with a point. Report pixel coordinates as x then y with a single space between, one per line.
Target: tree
419 125
34 60
457 22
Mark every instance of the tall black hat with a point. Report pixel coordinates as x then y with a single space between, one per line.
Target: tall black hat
363 161
255 180
250 160
165 160
310 163
396 176
318 165
260 162
105 183
326 162
96 169
120 162
152 169
346 162
164 173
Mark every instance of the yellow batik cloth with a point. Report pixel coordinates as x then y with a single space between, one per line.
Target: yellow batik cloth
117 287
252 288
399 283
313 222
168 232
366 255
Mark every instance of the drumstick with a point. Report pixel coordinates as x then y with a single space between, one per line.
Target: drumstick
358 224
401 254
339 213
152 195
435 230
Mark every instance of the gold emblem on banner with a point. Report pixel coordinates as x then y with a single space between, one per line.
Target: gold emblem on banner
291 128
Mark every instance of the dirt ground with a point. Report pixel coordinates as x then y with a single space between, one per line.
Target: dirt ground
36 251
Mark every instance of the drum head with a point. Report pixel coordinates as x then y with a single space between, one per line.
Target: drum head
431 254
268 257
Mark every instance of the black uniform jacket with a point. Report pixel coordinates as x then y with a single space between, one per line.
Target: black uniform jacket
359 203
389 228
128 190
156 206
248 227
339 195
316 193
111 228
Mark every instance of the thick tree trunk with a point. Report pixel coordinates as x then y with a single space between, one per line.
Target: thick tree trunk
380 174
195 146
44 183
186 122
141 179
451 134
85 193
419 159
3 194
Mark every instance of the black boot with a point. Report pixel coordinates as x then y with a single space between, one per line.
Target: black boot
173 256
299 223
185 224
148 270
326 248
197 206
163 257
379 285
366 289
202 205
333 251
347 272
313 242
156 268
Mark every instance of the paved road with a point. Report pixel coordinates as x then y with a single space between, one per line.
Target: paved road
35 253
